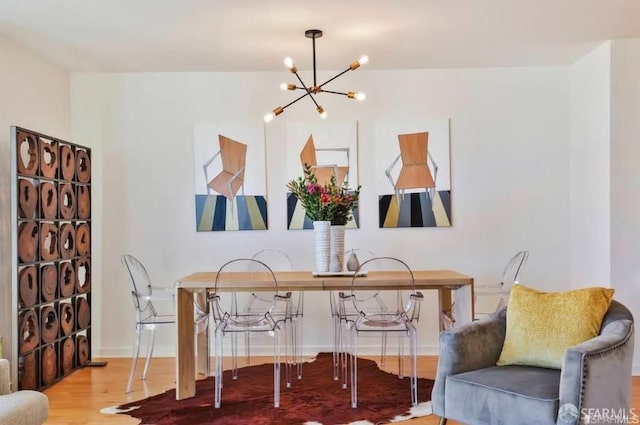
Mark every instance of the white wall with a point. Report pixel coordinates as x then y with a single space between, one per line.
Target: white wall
589 164
625 173
509 162
34 95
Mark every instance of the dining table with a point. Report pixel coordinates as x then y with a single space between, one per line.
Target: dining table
452 286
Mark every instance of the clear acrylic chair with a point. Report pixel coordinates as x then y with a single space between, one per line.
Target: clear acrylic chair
147 316
357 256
399 317
278 260
489 298
260 320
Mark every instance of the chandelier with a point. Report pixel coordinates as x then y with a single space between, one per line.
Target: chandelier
315 88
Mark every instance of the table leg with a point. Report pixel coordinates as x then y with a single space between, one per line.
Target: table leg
203 337
444 307
185 355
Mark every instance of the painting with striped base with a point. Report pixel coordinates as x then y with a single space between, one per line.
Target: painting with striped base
229 173
331 148
413 173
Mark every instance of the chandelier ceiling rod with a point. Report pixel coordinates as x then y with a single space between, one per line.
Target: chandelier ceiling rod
315 89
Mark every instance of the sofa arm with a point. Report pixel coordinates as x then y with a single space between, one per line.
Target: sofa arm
596 374
24 408
5 377
472 346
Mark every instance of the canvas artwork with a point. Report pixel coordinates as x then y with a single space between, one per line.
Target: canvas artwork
413 173
331 148
229 176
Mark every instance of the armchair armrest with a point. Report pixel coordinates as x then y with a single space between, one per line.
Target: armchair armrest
475 345
597 372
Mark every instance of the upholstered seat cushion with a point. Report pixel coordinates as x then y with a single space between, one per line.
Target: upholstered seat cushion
534 390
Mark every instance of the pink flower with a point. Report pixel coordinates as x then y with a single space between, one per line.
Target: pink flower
313 188
325 198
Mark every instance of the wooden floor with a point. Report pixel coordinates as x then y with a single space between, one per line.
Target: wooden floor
78 398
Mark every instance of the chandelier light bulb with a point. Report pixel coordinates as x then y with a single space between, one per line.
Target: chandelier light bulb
288 62
363 60
322 112
268 117
284 86
357 95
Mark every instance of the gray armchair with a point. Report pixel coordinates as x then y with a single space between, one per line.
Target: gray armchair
471 389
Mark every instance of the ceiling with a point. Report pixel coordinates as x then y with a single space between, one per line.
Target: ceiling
255 35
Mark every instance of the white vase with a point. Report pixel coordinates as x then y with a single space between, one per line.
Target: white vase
337 248
322 237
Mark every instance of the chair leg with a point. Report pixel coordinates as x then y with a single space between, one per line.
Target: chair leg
344 353
354 369
336 345
443 421
134 361
234 355
414 366
383 350
298 345
289 350
147 363
276 368
218 368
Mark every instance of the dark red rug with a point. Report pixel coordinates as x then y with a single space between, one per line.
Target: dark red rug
316 399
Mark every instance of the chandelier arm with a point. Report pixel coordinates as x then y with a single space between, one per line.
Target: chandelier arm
294 101
307 89
333 78
334 92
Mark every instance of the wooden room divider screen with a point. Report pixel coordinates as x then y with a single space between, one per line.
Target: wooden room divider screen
51 191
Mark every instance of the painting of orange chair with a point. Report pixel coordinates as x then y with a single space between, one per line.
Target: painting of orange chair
324 172
415 172
231 178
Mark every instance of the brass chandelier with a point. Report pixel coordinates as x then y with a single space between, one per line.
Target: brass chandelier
315 88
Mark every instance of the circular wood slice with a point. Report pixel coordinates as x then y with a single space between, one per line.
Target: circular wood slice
49 324
67 162
48 159
82 348
67 241
48 241
68 353
84 202
83 313
67 201
83 166
83 240
28 286
48 200
49 281
49 365
27 150
27 241
27 198
83 275
28 331
67 318
27 372
67 279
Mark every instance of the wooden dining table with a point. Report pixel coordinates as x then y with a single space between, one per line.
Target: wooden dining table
444 281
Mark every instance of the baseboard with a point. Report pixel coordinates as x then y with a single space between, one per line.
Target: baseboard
265 350
309 351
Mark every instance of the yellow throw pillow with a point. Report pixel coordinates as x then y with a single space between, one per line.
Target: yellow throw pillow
542 325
